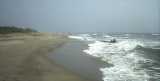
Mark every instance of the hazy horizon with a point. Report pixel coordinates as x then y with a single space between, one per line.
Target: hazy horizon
128 16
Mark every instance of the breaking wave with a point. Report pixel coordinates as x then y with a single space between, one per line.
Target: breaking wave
127 57
83 37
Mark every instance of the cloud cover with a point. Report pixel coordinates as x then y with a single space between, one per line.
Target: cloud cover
83 15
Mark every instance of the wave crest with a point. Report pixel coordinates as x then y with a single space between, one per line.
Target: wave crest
118 54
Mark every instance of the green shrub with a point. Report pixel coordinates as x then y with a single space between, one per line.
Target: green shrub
13 29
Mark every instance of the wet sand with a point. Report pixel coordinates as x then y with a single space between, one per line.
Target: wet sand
24 57
73 58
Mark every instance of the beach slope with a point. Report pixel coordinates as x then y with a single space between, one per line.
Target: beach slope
24 57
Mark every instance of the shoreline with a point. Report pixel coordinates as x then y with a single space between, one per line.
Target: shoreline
72 57
24 57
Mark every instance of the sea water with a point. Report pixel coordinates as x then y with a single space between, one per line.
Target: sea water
135 57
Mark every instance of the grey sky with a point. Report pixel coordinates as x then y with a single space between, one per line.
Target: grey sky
82 15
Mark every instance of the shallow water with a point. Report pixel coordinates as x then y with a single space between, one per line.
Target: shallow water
71 57
135 57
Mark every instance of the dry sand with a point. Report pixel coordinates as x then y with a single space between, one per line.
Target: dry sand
24 57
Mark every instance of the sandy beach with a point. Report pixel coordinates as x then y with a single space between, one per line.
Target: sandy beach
24 57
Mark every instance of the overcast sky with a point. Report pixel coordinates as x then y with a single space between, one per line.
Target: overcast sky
82 15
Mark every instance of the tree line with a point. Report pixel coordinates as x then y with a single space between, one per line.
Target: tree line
14 29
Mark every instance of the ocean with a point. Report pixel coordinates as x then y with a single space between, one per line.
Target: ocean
133 57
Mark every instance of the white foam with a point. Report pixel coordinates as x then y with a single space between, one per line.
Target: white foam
156 34
95 49
107 36
101 47
76 37
125 63
94 34
83 37
124 69
128 44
